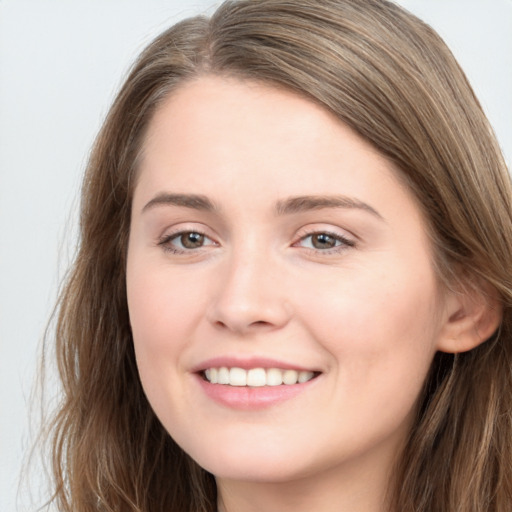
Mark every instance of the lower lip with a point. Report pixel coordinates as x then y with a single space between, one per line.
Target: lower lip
252 398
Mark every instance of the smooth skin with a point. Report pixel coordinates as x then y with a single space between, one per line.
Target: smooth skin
341 283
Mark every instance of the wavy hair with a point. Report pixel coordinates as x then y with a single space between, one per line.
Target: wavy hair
390 78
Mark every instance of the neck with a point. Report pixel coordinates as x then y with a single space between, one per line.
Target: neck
335 490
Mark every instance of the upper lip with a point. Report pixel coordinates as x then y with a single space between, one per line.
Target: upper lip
248 363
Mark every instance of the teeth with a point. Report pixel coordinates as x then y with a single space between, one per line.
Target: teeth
290 377
305 376
223 376
214 375
274 377
237 377
256 377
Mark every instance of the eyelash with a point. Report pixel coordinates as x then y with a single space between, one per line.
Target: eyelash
342 242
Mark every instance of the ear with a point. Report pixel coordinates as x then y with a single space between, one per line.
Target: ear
472 316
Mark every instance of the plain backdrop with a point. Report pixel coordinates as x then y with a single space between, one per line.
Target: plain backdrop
60 65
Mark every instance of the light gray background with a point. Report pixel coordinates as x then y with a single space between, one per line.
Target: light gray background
60 65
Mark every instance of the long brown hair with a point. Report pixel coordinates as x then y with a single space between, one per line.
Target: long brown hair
387 75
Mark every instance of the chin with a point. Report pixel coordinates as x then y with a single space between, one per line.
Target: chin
255 464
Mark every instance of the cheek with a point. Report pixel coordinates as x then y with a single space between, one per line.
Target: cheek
163 316
163 305
373 307
381 329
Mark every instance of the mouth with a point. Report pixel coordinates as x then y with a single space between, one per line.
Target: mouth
256 377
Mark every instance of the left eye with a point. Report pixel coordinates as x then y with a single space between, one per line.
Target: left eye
324 241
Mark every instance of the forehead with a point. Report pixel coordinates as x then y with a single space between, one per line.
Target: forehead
226 129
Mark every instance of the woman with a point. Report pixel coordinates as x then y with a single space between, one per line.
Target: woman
293 283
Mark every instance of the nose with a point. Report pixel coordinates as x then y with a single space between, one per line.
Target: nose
250 296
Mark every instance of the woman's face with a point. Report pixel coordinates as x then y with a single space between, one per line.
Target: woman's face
269 242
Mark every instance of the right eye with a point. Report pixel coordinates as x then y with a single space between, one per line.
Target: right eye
185 241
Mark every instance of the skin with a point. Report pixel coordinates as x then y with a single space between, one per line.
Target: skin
367 314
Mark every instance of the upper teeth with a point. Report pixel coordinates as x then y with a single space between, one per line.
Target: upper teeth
256 377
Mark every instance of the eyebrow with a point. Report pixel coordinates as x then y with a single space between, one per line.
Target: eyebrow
194 201
306 203
283 207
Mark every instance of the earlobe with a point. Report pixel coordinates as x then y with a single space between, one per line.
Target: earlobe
472 316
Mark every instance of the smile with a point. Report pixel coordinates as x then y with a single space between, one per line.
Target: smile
257 377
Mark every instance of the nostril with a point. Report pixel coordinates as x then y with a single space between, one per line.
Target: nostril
260 323
239 314
221 325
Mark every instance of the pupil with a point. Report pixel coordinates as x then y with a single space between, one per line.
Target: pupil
323 241
192 240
